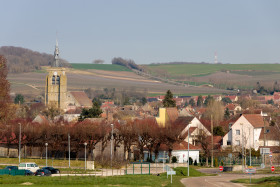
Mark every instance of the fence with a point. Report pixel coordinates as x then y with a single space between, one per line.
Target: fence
11 172
227 161
138 168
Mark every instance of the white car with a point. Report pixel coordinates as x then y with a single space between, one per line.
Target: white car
32 166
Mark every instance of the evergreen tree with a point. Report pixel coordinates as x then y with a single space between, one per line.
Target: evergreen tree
143 101
93 112
218 131
96 99
168 100
199 101
192 102
226 100
209 99
227 113
19 99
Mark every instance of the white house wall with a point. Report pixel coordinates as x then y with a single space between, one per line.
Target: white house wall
248 132
182 155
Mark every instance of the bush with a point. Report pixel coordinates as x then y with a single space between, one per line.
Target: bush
191 160
105 162
195 163
216 162
174 159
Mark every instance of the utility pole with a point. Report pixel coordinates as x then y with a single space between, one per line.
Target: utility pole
212 156
189 151
250 147
242 148
112 139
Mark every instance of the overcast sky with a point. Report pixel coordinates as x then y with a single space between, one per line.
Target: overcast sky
147 31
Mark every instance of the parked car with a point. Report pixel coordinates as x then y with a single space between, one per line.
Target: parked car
52 170
11 168
29 166
28 172
43 172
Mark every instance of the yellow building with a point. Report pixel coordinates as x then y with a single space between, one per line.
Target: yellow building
166 116
56 84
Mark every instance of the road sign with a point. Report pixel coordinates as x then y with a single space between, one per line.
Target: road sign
270 154
221 168
250 170
272 168
265 151
171 172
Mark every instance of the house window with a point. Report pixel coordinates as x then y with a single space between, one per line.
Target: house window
228 142
237 142
237 132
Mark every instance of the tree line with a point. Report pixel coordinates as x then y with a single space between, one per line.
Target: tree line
25 60
142 134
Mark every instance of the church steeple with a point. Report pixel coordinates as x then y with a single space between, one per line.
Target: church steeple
56 56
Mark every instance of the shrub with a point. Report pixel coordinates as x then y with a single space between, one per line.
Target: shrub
174 159
216 162
191 160
195 163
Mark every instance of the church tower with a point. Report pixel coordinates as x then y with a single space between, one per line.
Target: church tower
56 84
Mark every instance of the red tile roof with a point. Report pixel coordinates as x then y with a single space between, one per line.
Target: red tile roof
255 119
172 113
82 98
179 147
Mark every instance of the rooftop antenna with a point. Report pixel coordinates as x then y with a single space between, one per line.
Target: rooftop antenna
216 58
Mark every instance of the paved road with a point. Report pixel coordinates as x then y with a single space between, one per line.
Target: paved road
221 180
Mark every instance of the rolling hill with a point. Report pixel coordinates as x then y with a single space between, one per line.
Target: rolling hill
25 60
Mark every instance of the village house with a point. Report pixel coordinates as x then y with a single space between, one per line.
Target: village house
233 108
245 131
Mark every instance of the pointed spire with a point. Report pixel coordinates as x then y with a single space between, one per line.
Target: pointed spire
56 56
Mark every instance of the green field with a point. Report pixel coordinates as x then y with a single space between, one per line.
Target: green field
207 69
105 67
266 181
125 180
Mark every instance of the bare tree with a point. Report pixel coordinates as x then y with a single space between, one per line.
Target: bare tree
98 61
202 139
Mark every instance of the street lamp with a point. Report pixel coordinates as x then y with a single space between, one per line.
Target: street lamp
85 155
112 138
189 151
19 143
46 144
69 148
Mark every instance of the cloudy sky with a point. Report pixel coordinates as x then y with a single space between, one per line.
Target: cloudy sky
147 31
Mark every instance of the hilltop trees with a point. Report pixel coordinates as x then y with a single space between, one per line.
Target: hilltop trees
24 60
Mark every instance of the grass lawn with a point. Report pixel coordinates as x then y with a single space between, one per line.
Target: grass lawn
266 181
126 180
42 162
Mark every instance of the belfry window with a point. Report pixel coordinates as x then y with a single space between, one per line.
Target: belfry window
57 80
53 79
